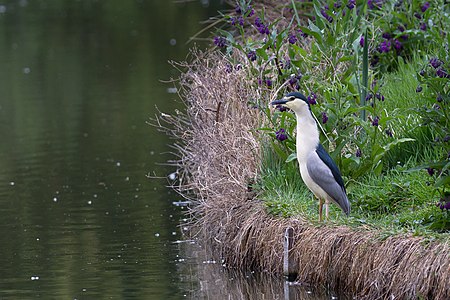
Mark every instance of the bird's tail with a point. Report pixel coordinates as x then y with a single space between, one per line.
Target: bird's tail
346 206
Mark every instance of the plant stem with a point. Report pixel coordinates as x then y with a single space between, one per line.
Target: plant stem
365 75
296 12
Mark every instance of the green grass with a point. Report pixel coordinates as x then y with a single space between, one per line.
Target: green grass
402 100
396 202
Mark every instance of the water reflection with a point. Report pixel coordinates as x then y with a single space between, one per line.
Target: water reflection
205 278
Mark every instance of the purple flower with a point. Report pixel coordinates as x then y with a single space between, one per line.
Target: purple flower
258 22
268 82
324 117
375 121
389 132
430 171
281 135
263 29
399 3
398 45
369 96
250 11
358 153
286 64
281 108
302 34
292 39
325 15
293 80
379 96
351 4
373 84
220 41
423 26
425 6
229 68
361 41
385 46
442 73
337 4
418 89
387 36
418 16
235 21
251 55
439 98
435 62
374 61
312 99
401 28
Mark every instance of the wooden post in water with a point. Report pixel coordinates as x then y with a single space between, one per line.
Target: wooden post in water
289 266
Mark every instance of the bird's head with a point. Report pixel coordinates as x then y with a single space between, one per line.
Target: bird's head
294 101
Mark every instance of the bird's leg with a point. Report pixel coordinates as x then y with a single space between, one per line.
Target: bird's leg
326 209
320 209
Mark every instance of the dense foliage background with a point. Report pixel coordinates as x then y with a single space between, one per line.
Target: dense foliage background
376 74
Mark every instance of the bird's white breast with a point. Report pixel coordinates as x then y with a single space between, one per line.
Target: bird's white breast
307 141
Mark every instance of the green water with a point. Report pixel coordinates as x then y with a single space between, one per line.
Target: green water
78 81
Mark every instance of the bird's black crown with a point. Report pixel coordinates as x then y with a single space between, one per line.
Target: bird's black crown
298 96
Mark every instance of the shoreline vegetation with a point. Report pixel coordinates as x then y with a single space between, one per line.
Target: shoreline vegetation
234 162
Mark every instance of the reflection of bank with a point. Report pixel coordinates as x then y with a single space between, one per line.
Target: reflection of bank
204 278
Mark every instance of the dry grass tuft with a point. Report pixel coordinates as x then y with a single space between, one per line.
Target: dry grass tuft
219 155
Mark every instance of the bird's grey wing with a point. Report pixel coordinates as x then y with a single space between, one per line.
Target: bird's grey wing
322 175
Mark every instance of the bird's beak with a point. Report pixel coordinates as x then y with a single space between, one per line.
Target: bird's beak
279 102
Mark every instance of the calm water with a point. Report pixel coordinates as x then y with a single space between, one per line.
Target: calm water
79 217
78 81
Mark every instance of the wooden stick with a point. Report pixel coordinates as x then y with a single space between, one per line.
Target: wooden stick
289 266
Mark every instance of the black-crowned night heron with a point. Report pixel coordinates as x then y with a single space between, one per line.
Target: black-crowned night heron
317 168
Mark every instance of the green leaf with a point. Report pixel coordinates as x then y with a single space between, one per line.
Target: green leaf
396 142
278 150
378 168
299 50
434 165
442 181
345 58
316 34
291 157
262 53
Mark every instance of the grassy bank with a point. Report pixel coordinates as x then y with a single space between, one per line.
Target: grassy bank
232 163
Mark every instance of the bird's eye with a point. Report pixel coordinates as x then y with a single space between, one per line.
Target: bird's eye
291 98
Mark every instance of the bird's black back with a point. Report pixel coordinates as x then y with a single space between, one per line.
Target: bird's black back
326 158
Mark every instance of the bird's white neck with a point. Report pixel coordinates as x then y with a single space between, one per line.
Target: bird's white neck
307 135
